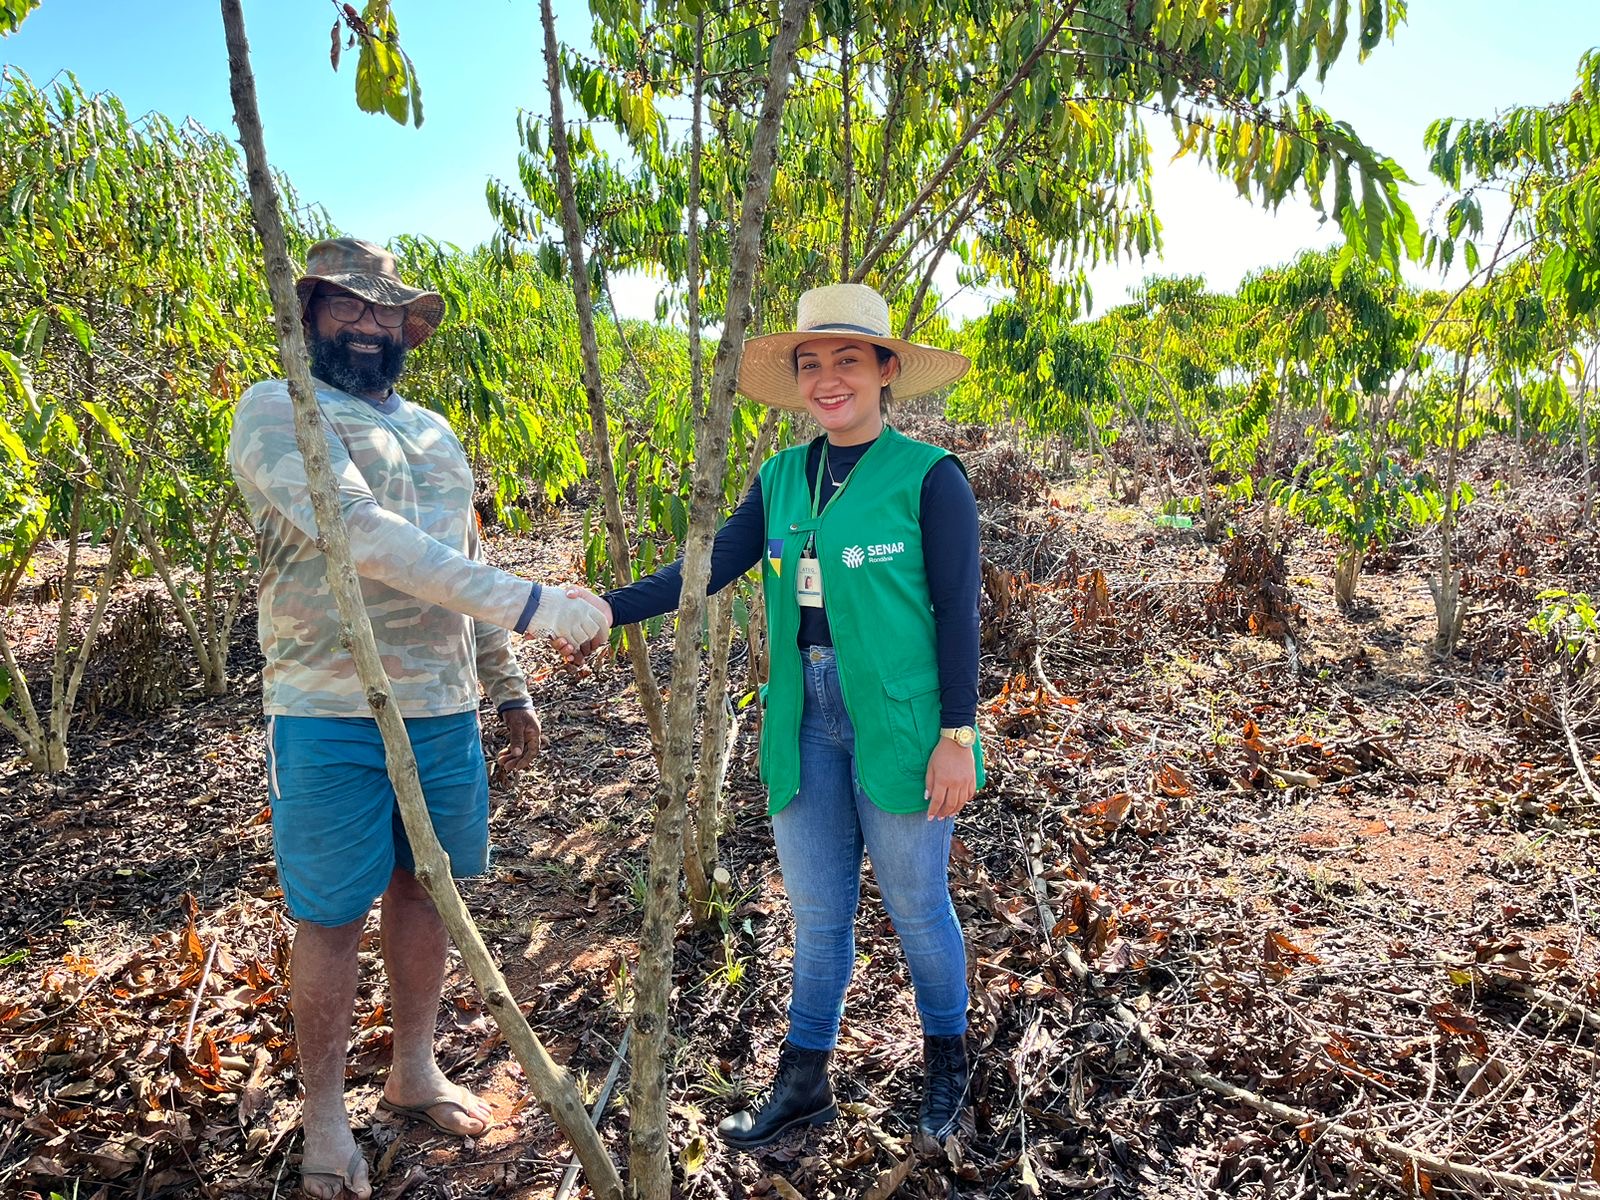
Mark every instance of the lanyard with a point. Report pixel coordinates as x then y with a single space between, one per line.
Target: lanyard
816 499
816 490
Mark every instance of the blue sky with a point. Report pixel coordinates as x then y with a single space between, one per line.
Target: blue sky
479 61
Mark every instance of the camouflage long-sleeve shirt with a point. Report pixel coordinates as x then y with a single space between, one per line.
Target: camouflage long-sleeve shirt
439 614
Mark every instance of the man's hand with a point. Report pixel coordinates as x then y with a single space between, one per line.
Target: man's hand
951 780
574 616
524 737
575 652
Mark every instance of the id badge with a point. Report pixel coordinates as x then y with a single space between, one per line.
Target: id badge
808 582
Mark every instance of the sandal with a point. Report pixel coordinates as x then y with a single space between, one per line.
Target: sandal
346 1175
423 1112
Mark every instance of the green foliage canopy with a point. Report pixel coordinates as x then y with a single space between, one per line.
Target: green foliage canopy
1548 159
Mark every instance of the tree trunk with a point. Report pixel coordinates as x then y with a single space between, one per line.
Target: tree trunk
1347 575
219 616
9 582
701 827
1449 612
1448 609
847 167
650 1163
719 727
67 702
593 389
695 864
216 613
919 297
697 363
1211 514
759 667
1144 457
43 738
1097 446
1586 514
889 130
54 734
551 1084
211 659
25 726
1275 418
1521 439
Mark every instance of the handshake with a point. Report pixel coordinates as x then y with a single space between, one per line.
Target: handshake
578 621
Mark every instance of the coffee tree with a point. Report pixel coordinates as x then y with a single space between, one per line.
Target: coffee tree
502 369
1326 335
135 315
1015 143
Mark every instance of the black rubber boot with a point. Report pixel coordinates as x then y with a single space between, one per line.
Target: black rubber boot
944 1087
800 1096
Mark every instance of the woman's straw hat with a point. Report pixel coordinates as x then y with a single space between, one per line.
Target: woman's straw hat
845 310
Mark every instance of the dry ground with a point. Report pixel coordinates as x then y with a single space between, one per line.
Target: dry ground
1307 862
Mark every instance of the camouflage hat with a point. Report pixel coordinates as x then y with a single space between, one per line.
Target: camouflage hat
368 271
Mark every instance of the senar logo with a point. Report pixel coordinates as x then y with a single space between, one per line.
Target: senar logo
854 556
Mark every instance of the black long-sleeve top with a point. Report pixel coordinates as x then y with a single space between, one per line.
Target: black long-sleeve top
949 517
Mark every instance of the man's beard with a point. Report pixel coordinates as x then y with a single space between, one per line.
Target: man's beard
332 361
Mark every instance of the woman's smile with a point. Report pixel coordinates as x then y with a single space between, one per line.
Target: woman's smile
841 381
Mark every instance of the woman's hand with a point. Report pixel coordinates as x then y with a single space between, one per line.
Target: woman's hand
951 780
577 653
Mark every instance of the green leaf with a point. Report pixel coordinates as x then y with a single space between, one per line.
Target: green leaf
1371 23
103 416
1347 255
370 83
1374 210
13 13
74 321
32 333
14 374
11 443
386 78
679 517
1553 275
415 85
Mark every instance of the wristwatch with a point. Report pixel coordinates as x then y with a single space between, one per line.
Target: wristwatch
961 735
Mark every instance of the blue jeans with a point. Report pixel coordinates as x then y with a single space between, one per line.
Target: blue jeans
821 834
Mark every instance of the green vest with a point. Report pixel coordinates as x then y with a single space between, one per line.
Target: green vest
875 588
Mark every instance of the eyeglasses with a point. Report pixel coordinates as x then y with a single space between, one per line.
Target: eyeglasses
348 310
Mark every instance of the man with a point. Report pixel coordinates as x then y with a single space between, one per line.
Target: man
441 618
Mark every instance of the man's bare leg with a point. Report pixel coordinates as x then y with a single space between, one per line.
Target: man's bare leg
322 995
414 942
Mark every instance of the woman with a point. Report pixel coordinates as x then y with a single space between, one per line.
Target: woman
870 542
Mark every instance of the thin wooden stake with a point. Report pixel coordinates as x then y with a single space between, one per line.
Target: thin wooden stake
599 1109
194 1009
552 1086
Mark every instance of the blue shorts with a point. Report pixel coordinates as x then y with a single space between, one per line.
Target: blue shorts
336 828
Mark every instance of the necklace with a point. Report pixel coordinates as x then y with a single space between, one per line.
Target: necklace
828 467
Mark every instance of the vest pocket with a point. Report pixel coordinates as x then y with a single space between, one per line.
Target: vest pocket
911 704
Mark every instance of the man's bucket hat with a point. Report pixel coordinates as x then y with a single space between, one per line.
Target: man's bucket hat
368 271
845 310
